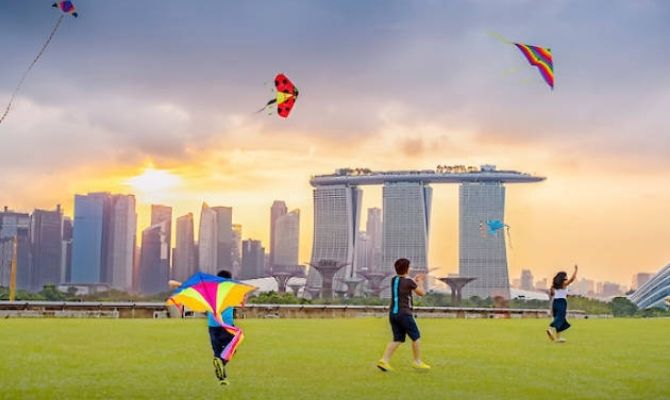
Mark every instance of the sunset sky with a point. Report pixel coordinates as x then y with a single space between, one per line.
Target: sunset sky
173 87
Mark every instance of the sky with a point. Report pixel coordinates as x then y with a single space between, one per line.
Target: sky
154 84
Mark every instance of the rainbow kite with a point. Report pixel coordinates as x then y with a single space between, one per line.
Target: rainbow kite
539 57
208 293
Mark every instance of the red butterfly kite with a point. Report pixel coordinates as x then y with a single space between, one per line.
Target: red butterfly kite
287 93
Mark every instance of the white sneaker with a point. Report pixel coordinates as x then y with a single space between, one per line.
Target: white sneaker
561 340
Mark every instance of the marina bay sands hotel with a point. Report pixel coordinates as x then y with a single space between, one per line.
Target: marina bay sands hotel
406 214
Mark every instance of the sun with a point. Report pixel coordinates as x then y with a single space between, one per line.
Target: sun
154 181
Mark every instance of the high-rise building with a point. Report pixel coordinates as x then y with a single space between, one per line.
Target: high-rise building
154 268
164 214
224 238
375 233
482 256
184 255
363 260
654 292
122 242
207 241
337 211
287 239
253 259
237 249
277 210
640 279
406 208
583 287
526 279
90 239
15 225
46 242
66 252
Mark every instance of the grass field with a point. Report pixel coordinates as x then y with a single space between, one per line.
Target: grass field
333 359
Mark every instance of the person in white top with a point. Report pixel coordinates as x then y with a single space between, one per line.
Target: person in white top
559 305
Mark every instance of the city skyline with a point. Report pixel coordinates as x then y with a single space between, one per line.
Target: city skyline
184 141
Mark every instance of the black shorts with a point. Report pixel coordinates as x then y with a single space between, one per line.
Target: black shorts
220 339
404 324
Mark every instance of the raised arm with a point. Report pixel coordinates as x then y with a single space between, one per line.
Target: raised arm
419 285
574 276
174 284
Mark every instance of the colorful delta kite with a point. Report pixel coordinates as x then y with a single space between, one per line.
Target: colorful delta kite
287 93
539 57
67 8
207 293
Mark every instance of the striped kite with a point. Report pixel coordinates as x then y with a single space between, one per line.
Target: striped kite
541 58
208 293
287 93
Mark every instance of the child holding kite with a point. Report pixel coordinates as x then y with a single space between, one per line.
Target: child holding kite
400 315
224 336
558 295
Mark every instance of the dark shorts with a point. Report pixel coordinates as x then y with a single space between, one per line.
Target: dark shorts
219 338
404 324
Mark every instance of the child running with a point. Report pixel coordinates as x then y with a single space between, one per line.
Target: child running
218 335
400 315
558 297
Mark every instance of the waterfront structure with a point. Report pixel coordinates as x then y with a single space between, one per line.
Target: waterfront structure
408 195
655 291
336 220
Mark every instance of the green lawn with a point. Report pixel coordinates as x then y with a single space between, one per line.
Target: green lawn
333 359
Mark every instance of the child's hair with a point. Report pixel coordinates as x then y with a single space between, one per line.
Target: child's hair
401 266
560 277
224 274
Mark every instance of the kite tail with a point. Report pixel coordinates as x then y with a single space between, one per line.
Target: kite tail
27 71
271 102
499 37
238 336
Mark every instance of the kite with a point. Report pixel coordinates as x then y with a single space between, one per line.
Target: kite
66 7
287 93
541 58
208 293
537 56
490 228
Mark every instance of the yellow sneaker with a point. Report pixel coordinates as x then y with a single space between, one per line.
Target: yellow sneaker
384 366
420 365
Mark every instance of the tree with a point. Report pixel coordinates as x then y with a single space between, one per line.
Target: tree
622 307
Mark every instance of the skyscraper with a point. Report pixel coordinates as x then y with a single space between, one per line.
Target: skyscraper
66 252
154 271
277 210
15 224
526 279
122 242
184 255
46 247
90 238
237 249
482 256
253 259
207 241
287 239
224 238
164 214
337 211
374 231
406 207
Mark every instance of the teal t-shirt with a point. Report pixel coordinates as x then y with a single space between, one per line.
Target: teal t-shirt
226 315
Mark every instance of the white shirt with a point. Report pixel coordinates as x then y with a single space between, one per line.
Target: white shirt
560 293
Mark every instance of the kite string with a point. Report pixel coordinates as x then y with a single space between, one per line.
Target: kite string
27 71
